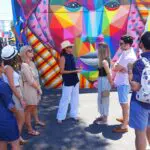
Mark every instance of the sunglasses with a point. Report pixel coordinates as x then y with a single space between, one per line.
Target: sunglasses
69 47
121 43
30 51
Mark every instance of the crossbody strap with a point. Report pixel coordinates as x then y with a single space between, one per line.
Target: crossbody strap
146 62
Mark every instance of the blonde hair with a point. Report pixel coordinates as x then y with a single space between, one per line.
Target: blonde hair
103 53
23 52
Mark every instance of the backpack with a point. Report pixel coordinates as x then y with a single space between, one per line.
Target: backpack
143 95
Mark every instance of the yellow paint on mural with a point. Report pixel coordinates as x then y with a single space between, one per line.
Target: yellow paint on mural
64 19
92 48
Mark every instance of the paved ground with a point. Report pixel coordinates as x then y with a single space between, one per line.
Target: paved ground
83 135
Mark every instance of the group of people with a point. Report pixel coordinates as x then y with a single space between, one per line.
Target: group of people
20 93
20 90
125 74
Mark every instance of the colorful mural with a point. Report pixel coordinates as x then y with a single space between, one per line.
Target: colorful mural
46 23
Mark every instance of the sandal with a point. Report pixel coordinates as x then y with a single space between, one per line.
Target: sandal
34 133
22 141
120 130
40 123
98 119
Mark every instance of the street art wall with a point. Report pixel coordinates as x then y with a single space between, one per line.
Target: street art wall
44 24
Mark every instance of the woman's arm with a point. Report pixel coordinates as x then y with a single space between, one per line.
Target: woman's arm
9 73
106 67
62 67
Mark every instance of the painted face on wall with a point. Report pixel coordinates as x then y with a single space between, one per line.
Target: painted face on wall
82 22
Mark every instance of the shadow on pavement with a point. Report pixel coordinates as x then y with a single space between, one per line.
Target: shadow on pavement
70 135
106 131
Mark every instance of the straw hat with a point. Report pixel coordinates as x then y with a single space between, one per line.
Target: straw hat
65 44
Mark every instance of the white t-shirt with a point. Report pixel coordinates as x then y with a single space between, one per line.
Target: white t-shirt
126 57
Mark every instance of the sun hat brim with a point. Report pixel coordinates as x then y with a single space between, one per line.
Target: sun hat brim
11 56
66 46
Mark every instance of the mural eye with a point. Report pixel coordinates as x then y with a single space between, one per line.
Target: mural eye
112 5
72 6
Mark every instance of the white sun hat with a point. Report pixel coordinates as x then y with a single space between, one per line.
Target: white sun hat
8 52
65 44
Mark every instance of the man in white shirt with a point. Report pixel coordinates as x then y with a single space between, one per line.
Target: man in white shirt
121 79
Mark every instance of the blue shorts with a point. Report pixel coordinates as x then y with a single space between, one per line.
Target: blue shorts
139 116
123 91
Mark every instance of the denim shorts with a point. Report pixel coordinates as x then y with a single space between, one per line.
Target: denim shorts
123 91
139 116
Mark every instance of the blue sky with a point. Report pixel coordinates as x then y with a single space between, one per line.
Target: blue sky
5 10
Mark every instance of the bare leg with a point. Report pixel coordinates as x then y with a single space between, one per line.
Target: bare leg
148 134
20 116
35 114
15 145
20 119
125 112
140 140
28 113
28 117
105 118
36 117
3 145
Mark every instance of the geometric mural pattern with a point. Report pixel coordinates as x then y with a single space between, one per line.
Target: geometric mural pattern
84 23
46 63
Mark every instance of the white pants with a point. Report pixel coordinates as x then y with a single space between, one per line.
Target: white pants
70 94
103 102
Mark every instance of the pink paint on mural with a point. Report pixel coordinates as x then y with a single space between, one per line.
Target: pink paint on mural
36 28
28 6
135 26
38 23
42 18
